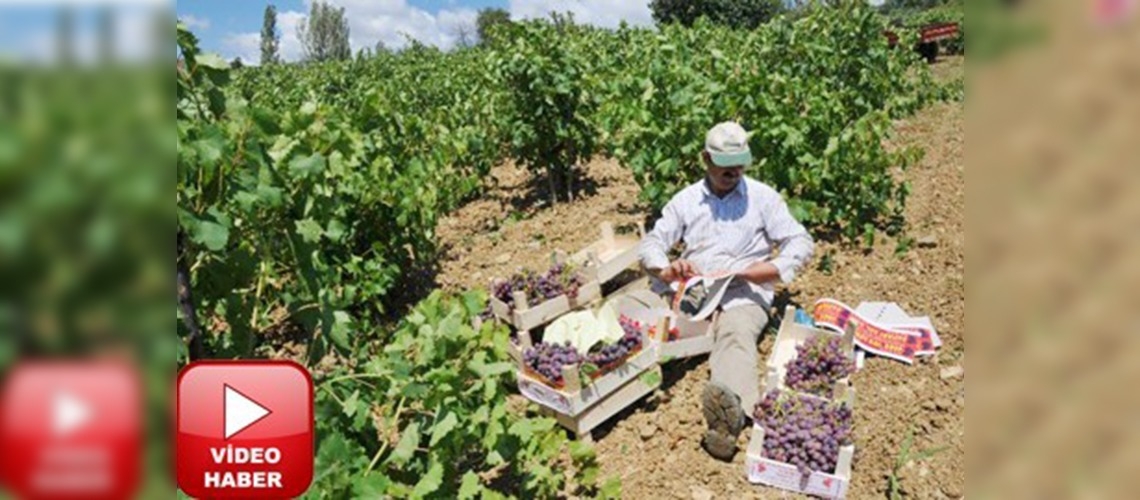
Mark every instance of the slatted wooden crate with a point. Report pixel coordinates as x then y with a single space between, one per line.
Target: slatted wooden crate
693 337
610 254
582 405
792 335
762 470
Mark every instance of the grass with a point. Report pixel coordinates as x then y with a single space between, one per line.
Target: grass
904 456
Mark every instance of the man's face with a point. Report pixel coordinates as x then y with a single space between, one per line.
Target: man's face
723 179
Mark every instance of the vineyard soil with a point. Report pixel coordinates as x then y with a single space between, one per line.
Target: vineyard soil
655 445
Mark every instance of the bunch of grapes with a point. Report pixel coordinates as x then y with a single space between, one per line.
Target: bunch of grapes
606 355
558 280
547 359
804 431
819 364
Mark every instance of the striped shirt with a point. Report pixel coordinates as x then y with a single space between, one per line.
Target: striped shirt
730 234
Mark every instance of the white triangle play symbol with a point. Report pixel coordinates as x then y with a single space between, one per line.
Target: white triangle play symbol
241 412
68 414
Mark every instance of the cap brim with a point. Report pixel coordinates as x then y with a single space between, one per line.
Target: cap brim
740 159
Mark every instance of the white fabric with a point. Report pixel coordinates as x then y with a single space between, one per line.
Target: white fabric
728 234
584 329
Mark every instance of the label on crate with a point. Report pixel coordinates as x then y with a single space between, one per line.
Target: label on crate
781 475
544 395
901 343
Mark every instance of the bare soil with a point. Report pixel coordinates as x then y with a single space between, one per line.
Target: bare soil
654 446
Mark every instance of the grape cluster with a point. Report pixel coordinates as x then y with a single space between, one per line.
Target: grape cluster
819 364
547 360
606 355
559 279
803 431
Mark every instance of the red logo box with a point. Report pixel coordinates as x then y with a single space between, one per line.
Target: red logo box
71 430
244 429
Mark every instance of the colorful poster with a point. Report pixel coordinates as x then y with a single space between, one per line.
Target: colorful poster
902 343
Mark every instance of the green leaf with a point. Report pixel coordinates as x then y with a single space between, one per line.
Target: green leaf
409 441
431 481
526 427
211 234
336 230
374 485
491 370
214 61
307 165
309 230
611 488
651 378
342 326
580 452
470 486
441 428
351 404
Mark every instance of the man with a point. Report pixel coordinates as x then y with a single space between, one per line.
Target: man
730 224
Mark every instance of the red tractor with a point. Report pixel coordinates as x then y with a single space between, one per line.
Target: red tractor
931 35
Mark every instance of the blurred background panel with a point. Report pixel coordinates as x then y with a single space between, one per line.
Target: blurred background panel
1054 227
87 155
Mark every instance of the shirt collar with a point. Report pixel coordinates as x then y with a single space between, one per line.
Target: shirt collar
739 189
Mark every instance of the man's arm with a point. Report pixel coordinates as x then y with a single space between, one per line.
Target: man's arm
793 241
655 245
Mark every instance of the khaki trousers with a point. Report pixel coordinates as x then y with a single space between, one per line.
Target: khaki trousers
734 360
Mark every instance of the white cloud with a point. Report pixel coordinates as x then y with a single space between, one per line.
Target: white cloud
387 21
391 21
603 13
195 23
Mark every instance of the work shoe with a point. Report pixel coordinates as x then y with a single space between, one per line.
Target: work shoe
725 419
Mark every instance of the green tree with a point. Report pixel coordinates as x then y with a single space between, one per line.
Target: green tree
747 14
487 19
324 34
270 38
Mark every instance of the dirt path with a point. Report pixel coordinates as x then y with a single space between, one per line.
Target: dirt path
655 445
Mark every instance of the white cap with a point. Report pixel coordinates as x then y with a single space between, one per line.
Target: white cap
727 145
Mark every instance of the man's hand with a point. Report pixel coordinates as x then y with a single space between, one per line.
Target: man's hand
679 269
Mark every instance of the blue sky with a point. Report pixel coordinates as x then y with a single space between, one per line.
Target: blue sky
232 28
27 31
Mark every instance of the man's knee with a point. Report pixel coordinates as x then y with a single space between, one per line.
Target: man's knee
742 320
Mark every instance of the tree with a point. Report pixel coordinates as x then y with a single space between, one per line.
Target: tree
743 14
236 63
487 19
463 31
324 34
270 38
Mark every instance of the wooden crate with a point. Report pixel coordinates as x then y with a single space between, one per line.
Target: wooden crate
792 335
524 316
785 476
608 405
647 308
611 254
761 470
574 398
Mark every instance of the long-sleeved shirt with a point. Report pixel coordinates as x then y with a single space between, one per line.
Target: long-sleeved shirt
730 234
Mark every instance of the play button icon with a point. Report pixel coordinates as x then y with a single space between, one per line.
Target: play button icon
241 412
68 414
244 429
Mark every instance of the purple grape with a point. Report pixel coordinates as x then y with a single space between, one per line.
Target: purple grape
818 365
803 431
